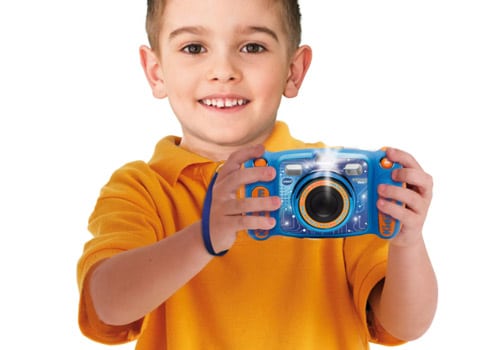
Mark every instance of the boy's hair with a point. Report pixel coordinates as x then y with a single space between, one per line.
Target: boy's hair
290 14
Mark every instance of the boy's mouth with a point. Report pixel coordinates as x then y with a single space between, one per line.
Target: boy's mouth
223 102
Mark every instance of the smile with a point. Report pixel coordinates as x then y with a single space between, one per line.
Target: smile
223 102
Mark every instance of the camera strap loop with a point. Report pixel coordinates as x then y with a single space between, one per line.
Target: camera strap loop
205 220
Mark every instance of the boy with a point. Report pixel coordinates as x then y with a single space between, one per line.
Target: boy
149 275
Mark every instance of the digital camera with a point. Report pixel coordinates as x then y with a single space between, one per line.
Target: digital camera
328 192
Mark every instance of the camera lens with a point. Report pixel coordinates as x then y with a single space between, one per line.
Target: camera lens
324 204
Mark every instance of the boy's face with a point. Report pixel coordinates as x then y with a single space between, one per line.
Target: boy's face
224 65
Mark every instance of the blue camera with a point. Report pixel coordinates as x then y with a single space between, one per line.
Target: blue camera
328 192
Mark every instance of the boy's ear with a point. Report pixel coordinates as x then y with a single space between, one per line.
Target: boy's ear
154 74
298 68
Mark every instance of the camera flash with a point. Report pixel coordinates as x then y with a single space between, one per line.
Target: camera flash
293 169
353 169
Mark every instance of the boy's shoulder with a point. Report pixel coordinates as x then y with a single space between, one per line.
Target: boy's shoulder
130 177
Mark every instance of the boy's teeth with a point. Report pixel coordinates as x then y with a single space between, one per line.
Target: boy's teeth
223 102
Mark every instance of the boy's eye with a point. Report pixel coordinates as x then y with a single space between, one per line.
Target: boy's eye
193 49
253 48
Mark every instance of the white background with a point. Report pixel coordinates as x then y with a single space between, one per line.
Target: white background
420 75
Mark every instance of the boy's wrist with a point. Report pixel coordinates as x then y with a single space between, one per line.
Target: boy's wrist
205 221
407 239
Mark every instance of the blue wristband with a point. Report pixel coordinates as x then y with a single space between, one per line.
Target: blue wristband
205 220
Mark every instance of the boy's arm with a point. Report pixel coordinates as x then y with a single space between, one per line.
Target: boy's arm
405 302
127 286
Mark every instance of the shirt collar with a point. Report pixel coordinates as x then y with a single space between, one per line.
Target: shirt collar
169 160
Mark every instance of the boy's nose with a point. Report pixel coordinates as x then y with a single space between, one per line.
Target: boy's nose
223 69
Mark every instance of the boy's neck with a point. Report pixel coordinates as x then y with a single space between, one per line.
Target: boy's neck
220 152
215 153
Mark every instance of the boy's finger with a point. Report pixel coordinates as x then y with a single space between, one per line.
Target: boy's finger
252 222
247 176
396 211
403 158
254 205
236 160
415 179
411 199
235 181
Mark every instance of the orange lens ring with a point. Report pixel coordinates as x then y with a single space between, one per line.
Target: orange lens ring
324 183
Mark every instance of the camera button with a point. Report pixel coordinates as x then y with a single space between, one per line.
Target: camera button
260 162
386 163
261 234
260 191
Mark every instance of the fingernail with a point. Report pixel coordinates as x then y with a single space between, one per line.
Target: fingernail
271 222
382 188
381 203
270 173
276 201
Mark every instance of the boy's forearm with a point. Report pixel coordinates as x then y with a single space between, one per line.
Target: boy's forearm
126 287
406 302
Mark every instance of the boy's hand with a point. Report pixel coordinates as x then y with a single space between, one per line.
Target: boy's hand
416 197
227 215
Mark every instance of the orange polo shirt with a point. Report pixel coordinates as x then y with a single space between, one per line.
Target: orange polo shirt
282 293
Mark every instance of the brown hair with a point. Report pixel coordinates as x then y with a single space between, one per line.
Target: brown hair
290 14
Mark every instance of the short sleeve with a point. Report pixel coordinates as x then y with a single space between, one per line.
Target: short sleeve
125 217
366 263
92 327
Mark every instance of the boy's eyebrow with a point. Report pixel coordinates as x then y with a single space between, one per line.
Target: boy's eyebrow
245 30
187 29
259 29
